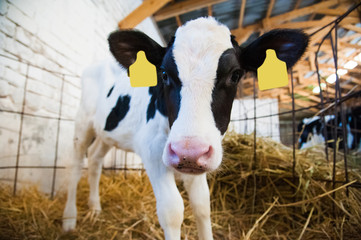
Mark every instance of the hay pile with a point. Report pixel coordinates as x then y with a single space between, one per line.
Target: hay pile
249 201
262 199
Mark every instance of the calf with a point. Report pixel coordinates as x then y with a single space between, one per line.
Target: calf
177 126
312 130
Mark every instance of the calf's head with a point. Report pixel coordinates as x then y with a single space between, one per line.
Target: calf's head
198 73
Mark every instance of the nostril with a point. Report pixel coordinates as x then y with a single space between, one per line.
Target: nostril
209 153
204 158
171 151
173 156
190 155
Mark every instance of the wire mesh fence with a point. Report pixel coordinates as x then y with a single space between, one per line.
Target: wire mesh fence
13 170
249 122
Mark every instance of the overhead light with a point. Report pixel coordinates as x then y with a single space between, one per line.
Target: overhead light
350 64
331 79
316 89
358 57
341 72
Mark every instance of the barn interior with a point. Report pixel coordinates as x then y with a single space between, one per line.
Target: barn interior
265 180
250 19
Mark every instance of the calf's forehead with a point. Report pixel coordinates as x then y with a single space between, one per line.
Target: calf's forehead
197 49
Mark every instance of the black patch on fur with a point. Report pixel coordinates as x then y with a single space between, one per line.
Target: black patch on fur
172 86
125 44
118 113
289 45
110 91
156 102
165 97
225 89
307 129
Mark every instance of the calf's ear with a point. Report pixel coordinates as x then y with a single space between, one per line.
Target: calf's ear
125 44
288 44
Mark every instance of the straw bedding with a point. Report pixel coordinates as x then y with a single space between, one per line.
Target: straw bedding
260 199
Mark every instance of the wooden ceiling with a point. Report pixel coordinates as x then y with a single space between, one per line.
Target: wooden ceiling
254 17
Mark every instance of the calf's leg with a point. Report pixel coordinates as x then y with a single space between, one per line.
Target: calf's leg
83 137
170 205
198 191
96 154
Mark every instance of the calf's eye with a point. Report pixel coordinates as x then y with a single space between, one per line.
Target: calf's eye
165 77
236 75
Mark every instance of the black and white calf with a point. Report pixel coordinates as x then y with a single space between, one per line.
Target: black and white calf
177 126
312 130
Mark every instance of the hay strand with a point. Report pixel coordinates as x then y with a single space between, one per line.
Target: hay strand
284 208
255 225
306 224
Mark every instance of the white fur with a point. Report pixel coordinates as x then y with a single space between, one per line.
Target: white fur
197 62
197 48
313 139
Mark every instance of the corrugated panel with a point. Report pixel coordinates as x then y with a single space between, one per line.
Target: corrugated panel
228 13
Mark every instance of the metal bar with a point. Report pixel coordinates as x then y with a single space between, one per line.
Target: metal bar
337 20
271 123
254 146
255 125
38 116
342 114
293 131
25 167
321 95
57 138
63 167
20 131
318 106
41 68
125 163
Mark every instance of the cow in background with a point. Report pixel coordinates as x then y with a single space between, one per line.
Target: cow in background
312 130
177 126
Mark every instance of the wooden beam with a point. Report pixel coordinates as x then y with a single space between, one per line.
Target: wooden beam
242 34
146 9
311 59
303 103
183 7
210 11
308 95
352 28
336 12
297 4
268 23
318 36
348 85
270 8
178 20
241 13
305 24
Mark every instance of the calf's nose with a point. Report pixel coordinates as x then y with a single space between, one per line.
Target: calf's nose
190 155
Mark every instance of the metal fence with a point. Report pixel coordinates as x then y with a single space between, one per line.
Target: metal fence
120 160
325 106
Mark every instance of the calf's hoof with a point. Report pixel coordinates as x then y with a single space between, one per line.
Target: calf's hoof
69 224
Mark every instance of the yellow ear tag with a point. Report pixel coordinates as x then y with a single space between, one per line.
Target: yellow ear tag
142 73
272 73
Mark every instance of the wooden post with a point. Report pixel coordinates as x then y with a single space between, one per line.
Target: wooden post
146 9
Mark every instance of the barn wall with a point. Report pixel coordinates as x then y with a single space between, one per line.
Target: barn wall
242 117
58 38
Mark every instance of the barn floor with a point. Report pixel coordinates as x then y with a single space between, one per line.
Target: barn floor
276 207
